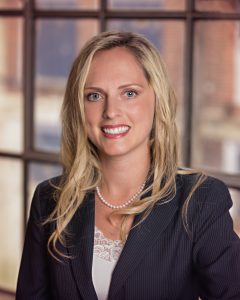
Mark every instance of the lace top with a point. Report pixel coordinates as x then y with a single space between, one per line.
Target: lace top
105 255
105 248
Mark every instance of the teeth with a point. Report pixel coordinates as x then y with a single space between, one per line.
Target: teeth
116 130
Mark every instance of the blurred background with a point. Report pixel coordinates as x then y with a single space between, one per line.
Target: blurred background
200 43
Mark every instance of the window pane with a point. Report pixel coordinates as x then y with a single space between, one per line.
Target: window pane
216 134
11 101
225 6
39 172
11 221
58 43
11 3
169 38
150 4
67 4
235 210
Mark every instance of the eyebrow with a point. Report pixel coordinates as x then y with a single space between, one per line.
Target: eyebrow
93 88
120 87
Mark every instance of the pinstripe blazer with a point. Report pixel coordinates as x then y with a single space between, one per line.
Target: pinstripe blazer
159 260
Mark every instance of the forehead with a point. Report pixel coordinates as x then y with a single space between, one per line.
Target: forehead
115 63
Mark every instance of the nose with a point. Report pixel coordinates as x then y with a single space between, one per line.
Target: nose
111 108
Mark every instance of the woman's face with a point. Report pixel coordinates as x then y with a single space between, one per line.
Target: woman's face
119 104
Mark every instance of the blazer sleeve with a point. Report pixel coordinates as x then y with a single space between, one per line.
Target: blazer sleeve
33 278
216 251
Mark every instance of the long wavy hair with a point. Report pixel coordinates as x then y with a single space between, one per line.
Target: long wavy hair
80 159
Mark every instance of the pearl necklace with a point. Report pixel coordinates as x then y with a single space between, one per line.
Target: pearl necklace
124 204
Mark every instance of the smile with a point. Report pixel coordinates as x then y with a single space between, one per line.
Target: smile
115 131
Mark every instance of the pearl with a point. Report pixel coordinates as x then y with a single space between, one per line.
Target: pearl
124 204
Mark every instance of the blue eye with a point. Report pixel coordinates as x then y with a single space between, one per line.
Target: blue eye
93 97
131 94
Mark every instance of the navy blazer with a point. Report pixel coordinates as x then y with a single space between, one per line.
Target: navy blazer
160 260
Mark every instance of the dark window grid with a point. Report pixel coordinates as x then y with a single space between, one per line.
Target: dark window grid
30 14
103 18
11 12
103 15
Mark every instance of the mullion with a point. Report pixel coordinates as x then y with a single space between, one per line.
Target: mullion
28 76
28 83
188 107
11 12
102 15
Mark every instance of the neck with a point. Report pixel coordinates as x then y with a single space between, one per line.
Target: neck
121 175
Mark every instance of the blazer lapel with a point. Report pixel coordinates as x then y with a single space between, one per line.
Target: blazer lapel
81 247
140 240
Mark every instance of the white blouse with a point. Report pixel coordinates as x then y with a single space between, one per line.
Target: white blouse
105 255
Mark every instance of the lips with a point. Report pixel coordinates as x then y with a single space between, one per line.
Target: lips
115 131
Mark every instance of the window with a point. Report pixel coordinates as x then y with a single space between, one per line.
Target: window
200 43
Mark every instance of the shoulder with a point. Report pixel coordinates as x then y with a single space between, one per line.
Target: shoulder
211 190
209 202
43 201
49 185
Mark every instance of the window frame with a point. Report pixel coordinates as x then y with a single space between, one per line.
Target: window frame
30 14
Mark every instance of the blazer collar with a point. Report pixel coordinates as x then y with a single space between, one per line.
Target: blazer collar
141 237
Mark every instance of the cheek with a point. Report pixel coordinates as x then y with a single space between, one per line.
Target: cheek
91 115
150 109
90 124
145 113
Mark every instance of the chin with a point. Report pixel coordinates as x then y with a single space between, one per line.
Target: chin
114 152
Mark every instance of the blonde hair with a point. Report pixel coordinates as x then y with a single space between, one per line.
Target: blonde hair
82 170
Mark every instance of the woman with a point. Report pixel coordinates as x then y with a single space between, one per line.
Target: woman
123 221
